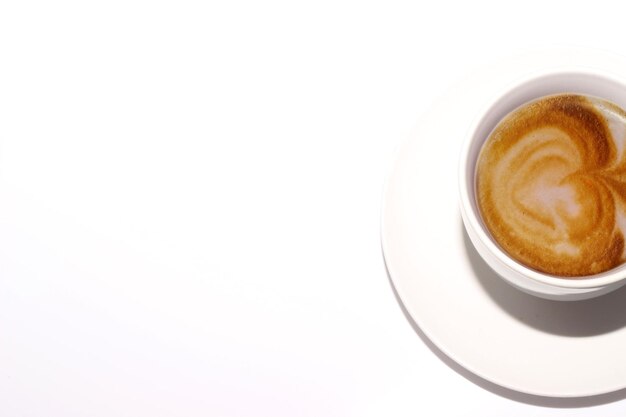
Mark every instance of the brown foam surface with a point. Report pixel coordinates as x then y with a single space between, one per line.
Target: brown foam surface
551 185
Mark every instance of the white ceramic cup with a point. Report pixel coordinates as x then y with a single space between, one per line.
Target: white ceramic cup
588 82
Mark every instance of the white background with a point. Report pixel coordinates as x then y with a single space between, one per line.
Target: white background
190 201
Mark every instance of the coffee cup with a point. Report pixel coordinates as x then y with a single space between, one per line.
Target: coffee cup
536 279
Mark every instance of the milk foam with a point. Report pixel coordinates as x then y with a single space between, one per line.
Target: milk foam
551 185
617 126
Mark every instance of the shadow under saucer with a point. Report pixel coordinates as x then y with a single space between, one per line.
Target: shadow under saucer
584 318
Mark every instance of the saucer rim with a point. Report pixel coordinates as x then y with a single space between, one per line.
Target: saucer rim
395 275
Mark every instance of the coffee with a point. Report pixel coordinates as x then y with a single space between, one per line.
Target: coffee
551 185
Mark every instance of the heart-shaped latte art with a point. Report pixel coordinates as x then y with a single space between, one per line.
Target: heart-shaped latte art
551 185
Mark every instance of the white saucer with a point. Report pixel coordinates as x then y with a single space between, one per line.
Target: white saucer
531 345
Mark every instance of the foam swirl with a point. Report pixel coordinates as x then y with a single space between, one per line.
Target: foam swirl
551 185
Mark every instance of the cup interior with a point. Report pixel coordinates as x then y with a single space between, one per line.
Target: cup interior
591 84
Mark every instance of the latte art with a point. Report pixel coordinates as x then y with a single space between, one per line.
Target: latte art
551 185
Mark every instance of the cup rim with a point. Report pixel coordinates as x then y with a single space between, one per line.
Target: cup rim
470 212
